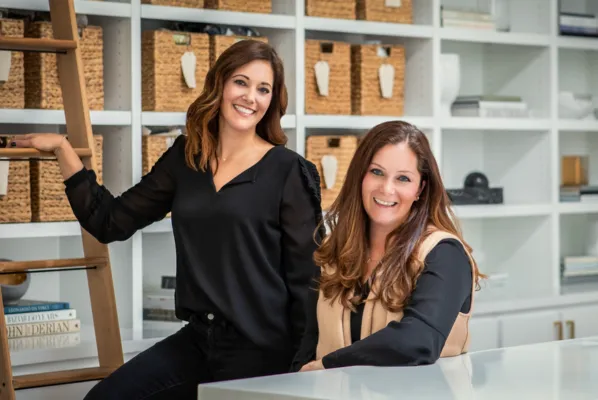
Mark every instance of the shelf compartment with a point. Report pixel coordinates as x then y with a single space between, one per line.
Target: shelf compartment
577 74
509 70
518 162
184 14
520 255
99 8
319 24
578 238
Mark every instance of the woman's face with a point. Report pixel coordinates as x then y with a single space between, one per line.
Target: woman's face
390 186
247 96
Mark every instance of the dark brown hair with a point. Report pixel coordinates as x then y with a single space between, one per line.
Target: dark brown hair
345 250
202 115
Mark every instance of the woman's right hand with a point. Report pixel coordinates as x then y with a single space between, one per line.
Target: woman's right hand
47 142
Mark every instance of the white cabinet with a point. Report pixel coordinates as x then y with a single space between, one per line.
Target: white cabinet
580 321
484 333
528 328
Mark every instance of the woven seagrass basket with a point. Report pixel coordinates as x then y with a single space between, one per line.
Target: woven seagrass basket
176 3
12 92
163 85
385 11
42 86
341 148
48 199
342 9
219 43
367 63
338 57
256 6
16 205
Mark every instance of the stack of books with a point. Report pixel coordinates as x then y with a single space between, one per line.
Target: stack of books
466 18
579 269
33 324
579 193
490 106
159 317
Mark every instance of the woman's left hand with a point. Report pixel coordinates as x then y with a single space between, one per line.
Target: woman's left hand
312 366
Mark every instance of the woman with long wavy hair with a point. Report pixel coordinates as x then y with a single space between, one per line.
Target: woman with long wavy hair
244 209
397 278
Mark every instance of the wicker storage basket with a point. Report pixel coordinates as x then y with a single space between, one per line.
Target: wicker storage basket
256 6
152 147
176 3
219 43
342 149
343 9
370 65
16 205
385 11
42 86
48 200
12 92
163 86
337 57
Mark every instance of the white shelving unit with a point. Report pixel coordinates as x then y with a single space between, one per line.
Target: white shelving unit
524 238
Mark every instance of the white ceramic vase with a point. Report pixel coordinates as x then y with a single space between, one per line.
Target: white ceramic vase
450 82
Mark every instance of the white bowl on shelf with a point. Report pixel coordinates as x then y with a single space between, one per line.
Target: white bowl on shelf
574 106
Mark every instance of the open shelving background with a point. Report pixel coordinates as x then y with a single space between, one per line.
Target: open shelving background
521 240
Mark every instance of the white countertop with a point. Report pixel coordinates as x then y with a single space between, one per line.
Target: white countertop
566 370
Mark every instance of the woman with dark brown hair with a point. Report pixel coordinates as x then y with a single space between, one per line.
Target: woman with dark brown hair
397 279
244 209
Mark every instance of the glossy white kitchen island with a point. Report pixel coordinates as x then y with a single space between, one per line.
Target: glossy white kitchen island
565 370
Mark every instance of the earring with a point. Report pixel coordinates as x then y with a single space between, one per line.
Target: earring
417 198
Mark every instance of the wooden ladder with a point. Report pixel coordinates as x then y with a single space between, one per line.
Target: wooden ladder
96 259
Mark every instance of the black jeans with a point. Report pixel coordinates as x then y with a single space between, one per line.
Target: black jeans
205 350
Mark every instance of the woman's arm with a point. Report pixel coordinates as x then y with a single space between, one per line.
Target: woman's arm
309 341
104 216
299 216
442 291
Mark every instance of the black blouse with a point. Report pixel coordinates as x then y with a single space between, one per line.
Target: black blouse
442 291
244 252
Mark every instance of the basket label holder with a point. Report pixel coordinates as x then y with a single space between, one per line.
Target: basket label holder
188 64
392 3
386 75
329 169
4 164
5 60
322 76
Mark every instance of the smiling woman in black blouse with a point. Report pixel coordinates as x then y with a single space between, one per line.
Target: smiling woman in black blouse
244 209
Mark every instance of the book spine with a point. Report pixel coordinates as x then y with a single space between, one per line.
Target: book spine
36 308
43 328
44 342
44 316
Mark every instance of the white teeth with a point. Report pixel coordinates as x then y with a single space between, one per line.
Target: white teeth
244 110
385 203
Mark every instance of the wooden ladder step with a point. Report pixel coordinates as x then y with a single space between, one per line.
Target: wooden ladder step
22 152
61 377
33 44
19 266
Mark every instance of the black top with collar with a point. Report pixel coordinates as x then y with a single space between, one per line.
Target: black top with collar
244 252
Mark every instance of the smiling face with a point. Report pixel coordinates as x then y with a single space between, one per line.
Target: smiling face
390 186
247 96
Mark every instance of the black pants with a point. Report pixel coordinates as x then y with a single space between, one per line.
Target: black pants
205 350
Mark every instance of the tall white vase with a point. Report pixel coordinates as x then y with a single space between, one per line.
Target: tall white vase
450 82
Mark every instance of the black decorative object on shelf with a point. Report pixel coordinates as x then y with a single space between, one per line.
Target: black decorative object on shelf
476 190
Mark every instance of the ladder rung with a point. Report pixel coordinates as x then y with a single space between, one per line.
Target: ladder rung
21 152
33 44
60 377
18 266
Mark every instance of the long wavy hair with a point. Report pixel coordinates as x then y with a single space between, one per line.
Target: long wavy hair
203 114
345 250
